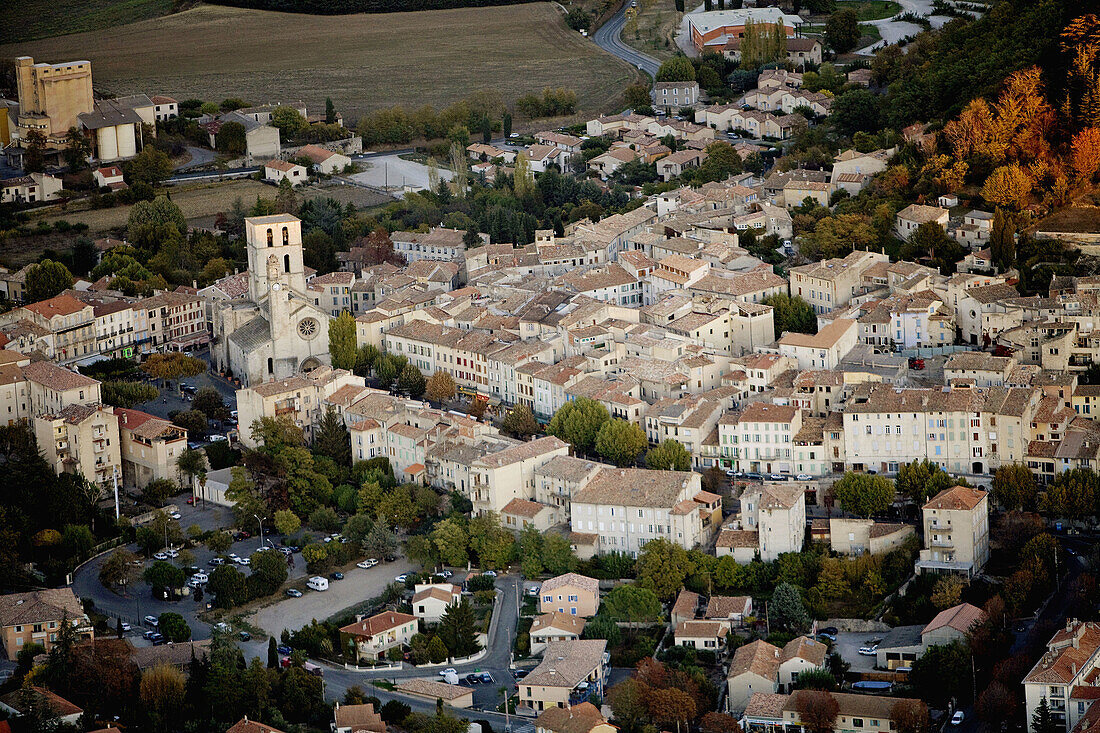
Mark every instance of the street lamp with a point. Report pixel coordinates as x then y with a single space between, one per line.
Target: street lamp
261 521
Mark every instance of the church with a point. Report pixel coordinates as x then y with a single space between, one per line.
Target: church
275 331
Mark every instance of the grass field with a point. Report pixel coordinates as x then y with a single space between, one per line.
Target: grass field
871 9
362 61
30 19
653 31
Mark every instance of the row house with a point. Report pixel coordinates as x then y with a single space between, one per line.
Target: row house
760 438
299 398
170 320
69 323
332 292
498 478
431 348
830 284
687 420
150 447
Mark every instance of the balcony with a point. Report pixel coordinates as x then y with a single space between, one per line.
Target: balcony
942 542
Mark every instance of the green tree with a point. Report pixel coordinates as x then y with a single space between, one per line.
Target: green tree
632 604
437 650
128 394
287 522
306 488
330 111
668 456
269 572
151 216
791 313
557 555
677 68
578 422
193 421
855 111
1072 494
163 576
332 438
209 401
34 160
452 541
219 542
192 463
1014 487
289 121
921 480
341 341
231 139
77 149
457 629
1002 240
520 422
46 279
272 653
174 628
157 491
228 586
722 161
620 442
530 552
863 494
506 124
1042 720
943 673
662 567
380 541
274 434
150 166
786 610
441 387
314 553
173 365
815 679
411 381
842 31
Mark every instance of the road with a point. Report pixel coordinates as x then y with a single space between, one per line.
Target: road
608 38
199 156
893 31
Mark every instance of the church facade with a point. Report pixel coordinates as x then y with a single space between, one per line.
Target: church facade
274 331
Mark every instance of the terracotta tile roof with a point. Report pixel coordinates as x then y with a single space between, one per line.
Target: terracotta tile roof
576 719
359 718
523 508
378 623
634 487
560 622
244 725
281 165
700 630
440 594
39 606
59 305
726 607
866 706
58 704
957 497
686 603
803 647
766 705
572 580
567 663
734 538
960 618
757 657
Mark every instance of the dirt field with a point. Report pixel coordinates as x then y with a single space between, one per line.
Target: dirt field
55 17
362 61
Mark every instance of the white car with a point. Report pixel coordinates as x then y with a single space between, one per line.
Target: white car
449 670
490 573
402 577
957 718
160 556
370 562
244 561
218 439
176 515
803 477
172 553
200 578
233 556
869 651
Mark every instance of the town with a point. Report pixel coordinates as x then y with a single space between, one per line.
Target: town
761 397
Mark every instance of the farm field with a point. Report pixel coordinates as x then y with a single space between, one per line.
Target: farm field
58 17
363 61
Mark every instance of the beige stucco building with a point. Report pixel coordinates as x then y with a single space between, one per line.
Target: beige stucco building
151 447
82 439
566 666
571 594
956 532
371 638
51 96
855 536
36 618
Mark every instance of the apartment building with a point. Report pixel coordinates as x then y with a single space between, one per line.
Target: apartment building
956 532
823 350
114 329
438 244
373 637
1066 675
81 439
688 420
831 284
498 478
776 512
52 388
175 320
558 479
36 617
332 292
299 398
628 507
570 672
760 438
961 429
150 447
70 325
15 389
464 354
571 594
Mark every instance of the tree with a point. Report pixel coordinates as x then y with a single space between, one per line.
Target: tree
1008 186
578 422
943 673
227 585
192 463
921 480
1072 494
163 576
996 706
34 160
332 438
46 279
722 161
275 434
441 387
557 555
1014 487
289 121
506 124
947 592
209 401
863 494
910 716
855 111
341 341
162 692
77 149
157 491
330 111
671 706
149 219
150 166
817 709
842 31
668 456
836 236
457 629
520 422
628 703
314 553
273 654
219 542
1002 240
193 421
269 572
1042 721
720 723
411 381
791 313
637 95
452 541
677 68
119 568
173 365
380 541
620 442
662 567
786 610
632 604
815 679
287 522
231 139
174 628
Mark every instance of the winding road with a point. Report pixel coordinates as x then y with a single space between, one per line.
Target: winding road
608 38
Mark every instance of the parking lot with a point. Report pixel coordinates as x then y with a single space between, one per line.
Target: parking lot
847 646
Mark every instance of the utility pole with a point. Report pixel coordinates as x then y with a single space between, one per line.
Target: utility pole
261 521
116 494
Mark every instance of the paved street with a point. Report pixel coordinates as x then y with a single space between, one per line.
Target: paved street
608 38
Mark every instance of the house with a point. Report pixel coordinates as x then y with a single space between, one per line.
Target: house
825 349
164 108
570 673
795 193
685 607
150 447
975 230
777 512
864 713
432 690
712 30
607 163
754 668
35 617
109 176
571 593
488 153
371 638
673 95
244 725
566 143
30 189
430 600
277 170
956 532
951 624
742 544
912 216
518 514
802 51
328 162
900 647
35 698
831 284
855 536
261 140
357 719
1066 676
707 635
542 157
673 165
730 610
582 718
554 626
800 654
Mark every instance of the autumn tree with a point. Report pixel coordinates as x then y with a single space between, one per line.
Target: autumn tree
341 341
817 710
671 706
947 592
1086 154
162 691
677 68
173 365
1008 186
910 716
720 723
440 387
1072 494
520 422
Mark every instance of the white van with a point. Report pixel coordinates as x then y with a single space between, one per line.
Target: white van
318 583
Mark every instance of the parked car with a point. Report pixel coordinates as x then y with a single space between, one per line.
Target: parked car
152 621
284 649
294 592
869 651
218 439
126 627
148 635
776 477
754 476
731 473
519 674
158 639
490 574
825 635
803 477
217 561
244 636
486 678
337 576
444 573
829 630
172 553
176 515
916 363
958 718
366 563
200 578
402 577
445 672
473 679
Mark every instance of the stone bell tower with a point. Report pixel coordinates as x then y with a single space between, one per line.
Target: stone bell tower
274 256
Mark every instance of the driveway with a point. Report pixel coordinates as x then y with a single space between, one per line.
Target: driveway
847 646
199 156
608 38
357 586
